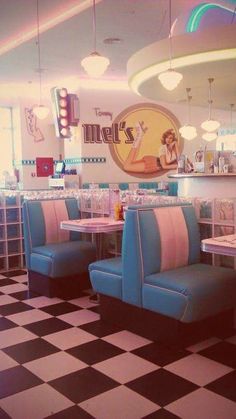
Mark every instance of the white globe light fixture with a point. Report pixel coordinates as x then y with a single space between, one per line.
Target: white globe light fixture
209 136
210 124
170 78
188 131
95 64
40 110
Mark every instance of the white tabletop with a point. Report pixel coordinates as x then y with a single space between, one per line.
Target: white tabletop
223 245
93 225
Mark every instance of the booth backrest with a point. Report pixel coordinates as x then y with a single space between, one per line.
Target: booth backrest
41 221
172 187
154 240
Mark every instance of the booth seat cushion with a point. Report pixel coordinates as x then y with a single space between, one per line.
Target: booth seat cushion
106 277
190 293
62 259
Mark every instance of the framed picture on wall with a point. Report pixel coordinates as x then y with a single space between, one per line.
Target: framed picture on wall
44 166
199 161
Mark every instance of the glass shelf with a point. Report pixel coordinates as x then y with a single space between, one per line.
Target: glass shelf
204 209
224 210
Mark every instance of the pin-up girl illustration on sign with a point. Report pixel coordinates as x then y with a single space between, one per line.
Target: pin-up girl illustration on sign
156 144
168 153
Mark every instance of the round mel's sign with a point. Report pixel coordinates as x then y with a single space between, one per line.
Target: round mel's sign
142 149
143 140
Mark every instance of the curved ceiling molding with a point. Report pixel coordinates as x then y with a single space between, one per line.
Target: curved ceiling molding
197 55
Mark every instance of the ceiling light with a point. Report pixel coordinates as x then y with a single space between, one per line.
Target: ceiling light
40 110
95 64
188 131
209 136
170 78
210 124
140 76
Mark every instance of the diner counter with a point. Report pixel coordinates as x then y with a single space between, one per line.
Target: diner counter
206 185
200 175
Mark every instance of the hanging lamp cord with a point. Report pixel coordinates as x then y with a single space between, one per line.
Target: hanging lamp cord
94 28
231 116
170 35
210 101
39 56
233 17
188 90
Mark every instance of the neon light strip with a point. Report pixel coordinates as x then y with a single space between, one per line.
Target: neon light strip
30 33
203 57
199 11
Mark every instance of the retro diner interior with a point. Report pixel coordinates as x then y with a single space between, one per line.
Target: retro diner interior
117 259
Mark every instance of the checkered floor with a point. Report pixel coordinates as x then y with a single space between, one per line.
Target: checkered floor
58 360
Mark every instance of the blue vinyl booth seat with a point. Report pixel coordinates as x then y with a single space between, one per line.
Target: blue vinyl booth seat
160 273
57 260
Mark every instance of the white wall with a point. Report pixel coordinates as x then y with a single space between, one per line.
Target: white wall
50 146
115 102
73 148
107 100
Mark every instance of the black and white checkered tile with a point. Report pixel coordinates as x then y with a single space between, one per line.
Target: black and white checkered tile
58 360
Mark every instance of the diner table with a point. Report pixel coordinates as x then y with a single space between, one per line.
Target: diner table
222 245
97 226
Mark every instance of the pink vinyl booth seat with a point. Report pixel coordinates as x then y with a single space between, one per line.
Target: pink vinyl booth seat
159 287
57 260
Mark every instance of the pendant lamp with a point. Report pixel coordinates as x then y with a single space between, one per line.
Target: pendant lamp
40 111
95 64
170 78
210 124
209 136
188 131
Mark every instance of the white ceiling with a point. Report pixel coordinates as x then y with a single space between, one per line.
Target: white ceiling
136 22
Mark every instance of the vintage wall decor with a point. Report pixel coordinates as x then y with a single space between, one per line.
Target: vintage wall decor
31 124
149 143
143 139
98 112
